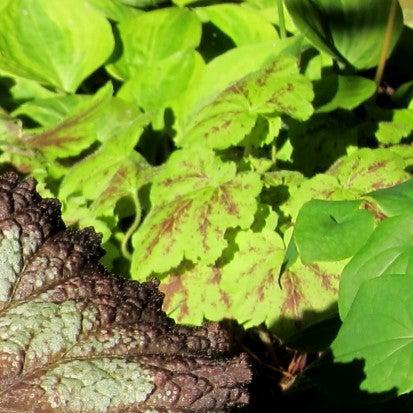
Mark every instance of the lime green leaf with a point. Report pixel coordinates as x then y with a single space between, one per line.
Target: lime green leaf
194 294
389 250
407 8
52 110
69 137
401 126
56 42
351 177
195 198
117 171
342 92
350 30
396 200
114 9
276 89
228 68
331 230
151 37
378 330
241 24
158 86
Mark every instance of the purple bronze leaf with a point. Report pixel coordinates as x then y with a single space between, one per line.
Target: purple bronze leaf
74 338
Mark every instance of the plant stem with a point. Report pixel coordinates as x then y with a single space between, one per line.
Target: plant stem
386 42
138 213
281 19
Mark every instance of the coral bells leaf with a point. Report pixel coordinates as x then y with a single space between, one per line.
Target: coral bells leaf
75 338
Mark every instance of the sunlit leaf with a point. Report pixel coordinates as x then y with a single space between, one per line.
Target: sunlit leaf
55 42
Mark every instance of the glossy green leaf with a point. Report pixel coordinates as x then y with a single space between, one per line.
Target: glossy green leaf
389 250
152 37
331 230
350 30
243 25
55 42
276 89
195 198
396 200
378 330
342 92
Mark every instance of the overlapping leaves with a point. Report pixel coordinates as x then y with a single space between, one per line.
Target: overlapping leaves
75 338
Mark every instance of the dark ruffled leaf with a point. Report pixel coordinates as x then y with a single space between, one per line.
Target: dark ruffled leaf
75 338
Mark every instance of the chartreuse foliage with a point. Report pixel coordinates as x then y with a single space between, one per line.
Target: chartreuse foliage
242 154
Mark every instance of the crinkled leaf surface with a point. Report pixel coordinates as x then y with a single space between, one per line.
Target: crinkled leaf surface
154 36
378 330
56 42
243 25
75 338
29 149
389 250
276 89
331 230
195 198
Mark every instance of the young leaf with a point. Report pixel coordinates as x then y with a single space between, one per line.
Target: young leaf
276 89
152 37
389 250
195 198
331 230
55 42
243 25
378 330
74 338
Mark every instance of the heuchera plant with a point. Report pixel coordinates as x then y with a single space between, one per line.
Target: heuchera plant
75 338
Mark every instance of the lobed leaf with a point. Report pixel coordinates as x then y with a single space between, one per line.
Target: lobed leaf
276 89
195 198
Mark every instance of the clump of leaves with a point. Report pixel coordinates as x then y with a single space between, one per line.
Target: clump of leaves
75 338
